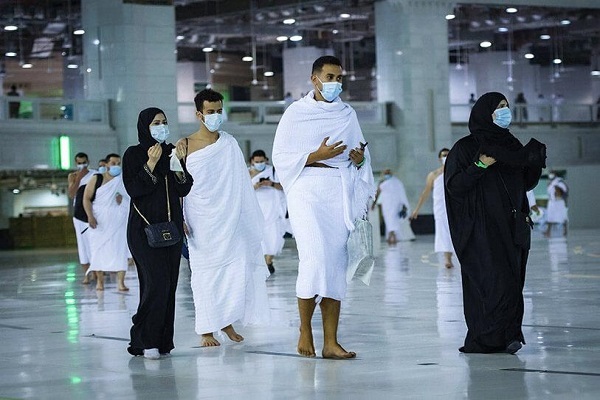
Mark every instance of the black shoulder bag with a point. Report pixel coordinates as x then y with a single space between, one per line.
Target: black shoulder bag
521 224
162 234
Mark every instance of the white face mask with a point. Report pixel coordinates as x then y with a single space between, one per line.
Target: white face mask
81 167
102 170
213 121
444 160
260 166
160 133
551 176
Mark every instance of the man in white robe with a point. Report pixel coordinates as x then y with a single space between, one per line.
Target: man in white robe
272 204
223 223
320 156
395 208
75 181
107 209
556 210
435 183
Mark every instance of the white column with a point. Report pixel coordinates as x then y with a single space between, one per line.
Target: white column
412 73
130 50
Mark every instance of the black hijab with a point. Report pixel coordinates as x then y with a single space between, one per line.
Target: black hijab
498 142
146 140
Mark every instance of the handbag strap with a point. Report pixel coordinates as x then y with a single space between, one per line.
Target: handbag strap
168 204
514 209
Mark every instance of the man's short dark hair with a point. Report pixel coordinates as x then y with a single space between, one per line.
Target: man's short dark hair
206 95
108 157
441 151
321 61
81 155
258 153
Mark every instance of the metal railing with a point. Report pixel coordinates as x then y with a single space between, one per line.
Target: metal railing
53 109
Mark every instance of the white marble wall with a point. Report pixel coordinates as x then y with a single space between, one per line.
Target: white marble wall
135 62
297 66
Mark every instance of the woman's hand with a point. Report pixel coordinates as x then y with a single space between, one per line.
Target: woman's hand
487 160
154 153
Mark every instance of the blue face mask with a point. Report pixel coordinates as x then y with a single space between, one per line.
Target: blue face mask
260 166
331 90
114 170
503 117
101 170
160 133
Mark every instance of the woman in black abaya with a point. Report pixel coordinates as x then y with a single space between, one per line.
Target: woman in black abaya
486 176
144 169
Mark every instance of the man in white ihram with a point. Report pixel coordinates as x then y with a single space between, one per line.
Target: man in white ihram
224 229
395 208
327 187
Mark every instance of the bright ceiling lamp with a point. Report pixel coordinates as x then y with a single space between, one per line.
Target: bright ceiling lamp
565 22
344 15
27 65
10 54
450 16
557 61
10 28
78 32
247 58
269 73
485 44
511 10
545 37
289 21
296 38
503 29
72 66
529 56
595 72
282 38
207 49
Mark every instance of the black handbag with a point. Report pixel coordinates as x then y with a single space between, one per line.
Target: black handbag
521 224
162 234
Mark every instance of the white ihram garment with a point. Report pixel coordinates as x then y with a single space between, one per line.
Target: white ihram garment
272 205
392 198
225 225
83 245
443 241
108 242
557 211
322 202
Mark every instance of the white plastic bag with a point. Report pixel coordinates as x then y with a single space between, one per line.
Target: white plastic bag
360 252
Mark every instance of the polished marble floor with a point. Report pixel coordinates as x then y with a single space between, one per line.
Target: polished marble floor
64 340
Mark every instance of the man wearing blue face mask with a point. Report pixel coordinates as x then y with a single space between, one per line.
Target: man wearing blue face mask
223 224
323 163
272 204
107 209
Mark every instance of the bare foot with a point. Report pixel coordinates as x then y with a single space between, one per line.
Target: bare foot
123 289
99 287
232 334
208 340
306 347
337 352
86 280
449 265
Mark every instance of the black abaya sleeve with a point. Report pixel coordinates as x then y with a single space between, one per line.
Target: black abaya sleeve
532 177
138 181
460 172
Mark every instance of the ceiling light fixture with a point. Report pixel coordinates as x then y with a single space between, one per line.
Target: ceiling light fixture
529 56
269 73
10 54
247 58
27 65
511 10
180 37
545 37
502 29
289 21
72 66
344 15
78 32
557 61
207 49
485 44
10 28
296 38
450 16
595 72
565 22
96 42
282 38
335 31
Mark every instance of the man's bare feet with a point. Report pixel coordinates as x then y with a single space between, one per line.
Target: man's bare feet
99 286
86 280
232 334
337 352
123 289
208 340
306 346
449 265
